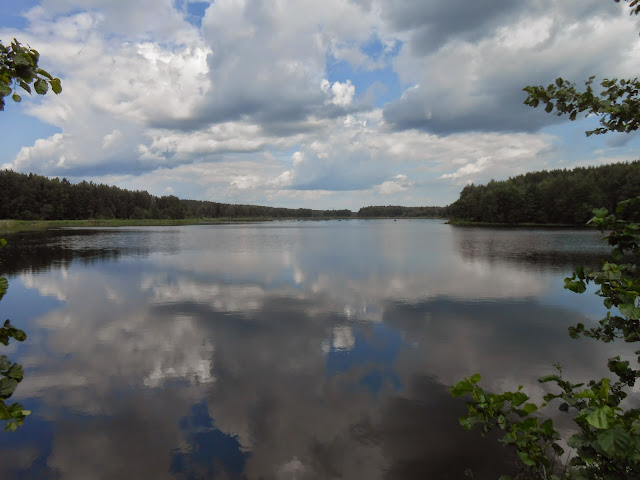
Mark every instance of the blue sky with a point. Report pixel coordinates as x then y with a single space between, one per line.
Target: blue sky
339 104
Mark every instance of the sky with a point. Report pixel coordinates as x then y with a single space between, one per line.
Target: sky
299 103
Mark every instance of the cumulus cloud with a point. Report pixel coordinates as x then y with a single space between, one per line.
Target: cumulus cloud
274 102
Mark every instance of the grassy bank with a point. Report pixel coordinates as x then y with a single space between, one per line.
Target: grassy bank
13 226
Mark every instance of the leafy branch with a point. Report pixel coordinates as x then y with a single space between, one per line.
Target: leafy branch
10 373
19 68
607 443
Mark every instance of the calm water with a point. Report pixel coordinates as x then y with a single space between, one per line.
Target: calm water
288 350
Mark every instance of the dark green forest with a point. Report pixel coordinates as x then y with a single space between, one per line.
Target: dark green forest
34 197
546 197
396 211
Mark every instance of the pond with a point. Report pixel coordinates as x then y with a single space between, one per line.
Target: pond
282 350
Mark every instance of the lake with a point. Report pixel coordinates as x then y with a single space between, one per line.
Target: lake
282 350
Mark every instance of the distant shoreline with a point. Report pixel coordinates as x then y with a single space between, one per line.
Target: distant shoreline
16 226
571 226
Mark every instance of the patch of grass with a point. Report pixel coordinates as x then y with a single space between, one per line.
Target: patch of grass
14 226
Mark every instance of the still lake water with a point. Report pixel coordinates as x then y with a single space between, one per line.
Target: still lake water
282 350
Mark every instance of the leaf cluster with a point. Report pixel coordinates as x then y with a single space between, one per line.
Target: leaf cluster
634 4
19 68
10 373
618 104
511 412
10 376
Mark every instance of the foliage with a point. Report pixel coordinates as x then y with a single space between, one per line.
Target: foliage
35 197
556 196
617 105
19 68
607 443
634 4
10 373
398 211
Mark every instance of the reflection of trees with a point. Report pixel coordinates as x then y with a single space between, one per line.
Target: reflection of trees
543 248
40 251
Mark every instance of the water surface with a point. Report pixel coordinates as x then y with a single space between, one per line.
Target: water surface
283 350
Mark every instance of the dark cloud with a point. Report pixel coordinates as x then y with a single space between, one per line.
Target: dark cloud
435 23
477 85
422 110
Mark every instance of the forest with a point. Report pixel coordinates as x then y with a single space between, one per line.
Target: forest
549 197
544 197
396 211
34 197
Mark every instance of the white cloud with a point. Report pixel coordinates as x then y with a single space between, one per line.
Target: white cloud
154 102
342 93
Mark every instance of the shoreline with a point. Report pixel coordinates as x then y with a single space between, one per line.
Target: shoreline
17 226
570 226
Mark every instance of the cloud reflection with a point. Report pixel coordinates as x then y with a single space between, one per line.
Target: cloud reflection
327 359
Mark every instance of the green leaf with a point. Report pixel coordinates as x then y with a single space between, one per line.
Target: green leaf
19 335
41 86
558 449
600 212
16 98
21 59
524 456
56 86
518 399
7 387
630 311
615 441
578 440
549 378
4 284
599 418
16 372
576 286
475 378
547 427
530 408
24 85
44 73
4 412
461 388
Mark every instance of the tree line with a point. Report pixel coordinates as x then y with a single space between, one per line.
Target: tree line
35 197
396 211
556 196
